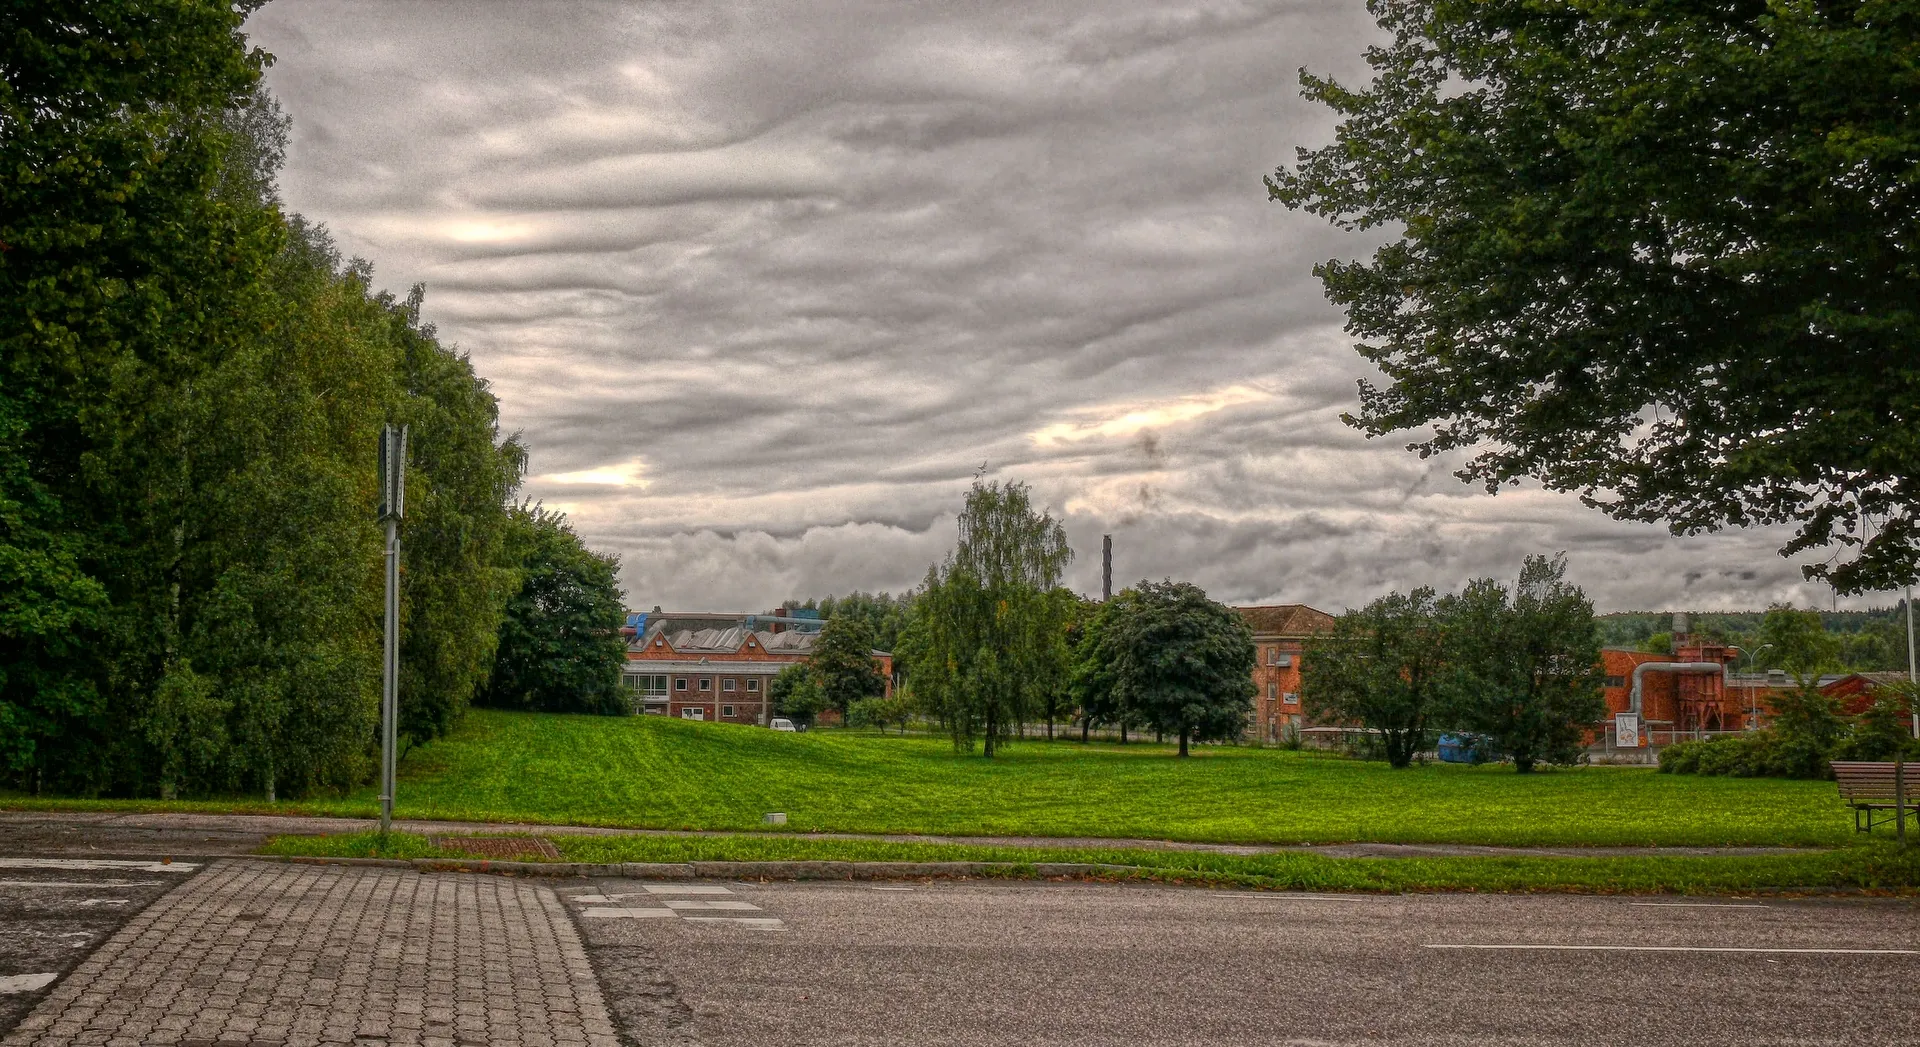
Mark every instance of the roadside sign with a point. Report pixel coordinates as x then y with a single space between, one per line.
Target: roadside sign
1626 730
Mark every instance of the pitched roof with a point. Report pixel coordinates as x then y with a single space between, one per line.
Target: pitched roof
1286 619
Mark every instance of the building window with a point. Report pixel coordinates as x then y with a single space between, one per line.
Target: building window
753 685
726 685
680 684
1292 698
706 683
1273 656
1616 681
1273 690
726 710
694 713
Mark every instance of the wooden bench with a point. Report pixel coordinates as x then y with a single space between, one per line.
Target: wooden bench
1869 787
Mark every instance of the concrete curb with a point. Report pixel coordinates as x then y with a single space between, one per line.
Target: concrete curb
786 870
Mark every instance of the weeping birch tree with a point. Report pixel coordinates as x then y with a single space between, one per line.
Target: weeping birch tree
989 627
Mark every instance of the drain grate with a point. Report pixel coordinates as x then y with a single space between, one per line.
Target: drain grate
497 846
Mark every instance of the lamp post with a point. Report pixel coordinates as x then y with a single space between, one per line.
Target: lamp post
1753 697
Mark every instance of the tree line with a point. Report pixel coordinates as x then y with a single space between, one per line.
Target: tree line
191 388
991 643
1517 667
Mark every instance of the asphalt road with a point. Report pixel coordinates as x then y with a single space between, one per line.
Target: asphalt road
971 962
54 911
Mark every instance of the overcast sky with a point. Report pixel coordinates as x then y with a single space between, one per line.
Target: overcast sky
765 284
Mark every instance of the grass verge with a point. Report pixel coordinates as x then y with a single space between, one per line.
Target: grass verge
1878 868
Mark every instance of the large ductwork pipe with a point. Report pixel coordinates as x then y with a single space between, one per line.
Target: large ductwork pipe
1640 671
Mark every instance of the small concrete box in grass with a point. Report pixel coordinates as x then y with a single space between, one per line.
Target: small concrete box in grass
775 818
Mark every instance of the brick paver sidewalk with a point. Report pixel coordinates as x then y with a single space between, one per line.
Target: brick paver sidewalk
253 953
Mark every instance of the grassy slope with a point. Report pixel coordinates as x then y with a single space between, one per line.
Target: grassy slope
659 773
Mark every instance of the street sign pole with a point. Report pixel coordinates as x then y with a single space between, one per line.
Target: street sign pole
393 489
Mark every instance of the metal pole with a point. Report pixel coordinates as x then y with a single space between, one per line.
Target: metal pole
1900 800
390 689
1913 665
1106 567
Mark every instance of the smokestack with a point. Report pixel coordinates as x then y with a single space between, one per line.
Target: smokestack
1106 567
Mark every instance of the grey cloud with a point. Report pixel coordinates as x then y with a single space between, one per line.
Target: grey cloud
792 272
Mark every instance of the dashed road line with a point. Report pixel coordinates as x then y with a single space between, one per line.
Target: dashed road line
1699 905
81 883
889 888
26 982
1681 948
749 923
605 906
115 864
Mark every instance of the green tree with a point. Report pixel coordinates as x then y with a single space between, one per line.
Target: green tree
796 694
1800 642
190 385
844 664
1525 666
1660 254
990 632
1381 668
1097 651
560 647
1181 661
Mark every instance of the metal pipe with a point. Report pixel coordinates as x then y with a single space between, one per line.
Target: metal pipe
1640 671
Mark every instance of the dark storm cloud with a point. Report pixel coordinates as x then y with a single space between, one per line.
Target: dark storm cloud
764 285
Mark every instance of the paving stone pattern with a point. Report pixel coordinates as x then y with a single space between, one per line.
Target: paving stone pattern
253 953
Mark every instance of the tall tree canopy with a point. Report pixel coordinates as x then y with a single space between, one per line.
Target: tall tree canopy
191 384
1663 254
1525 664
990 631
560 646
1383 668
843 662
1173 658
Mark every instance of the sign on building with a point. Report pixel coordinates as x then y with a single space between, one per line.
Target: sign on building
1626 730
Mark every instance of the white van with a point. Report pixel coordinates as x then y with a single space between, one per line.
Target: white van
781 723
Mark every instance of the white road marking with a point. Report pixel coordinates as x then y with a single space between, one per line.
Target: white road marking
752 923
81 883
25 982
890 888
97 863
103 901
1698 905
1683 948
596 899
626 914
690 888
697 903
1284 896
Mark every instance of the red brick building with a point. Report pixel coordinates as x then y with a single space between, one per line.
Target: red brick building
706 666
1280 634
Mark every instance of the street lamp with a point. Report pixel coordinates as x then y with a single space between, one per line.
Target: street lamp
1753 696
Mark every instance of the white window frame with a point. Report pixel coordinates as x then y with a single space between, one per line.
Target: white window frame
1290 698
753 686
726 710
727 684
680 683
706 685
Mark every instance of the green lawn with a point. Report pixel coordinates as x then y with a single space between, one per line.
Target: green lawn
1878 867
670 774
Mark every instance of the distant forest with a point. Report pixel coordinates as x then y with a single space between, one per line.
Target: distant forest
1866 640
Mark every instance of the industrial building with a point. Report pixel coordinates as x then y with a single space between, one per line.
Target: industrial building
717 666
